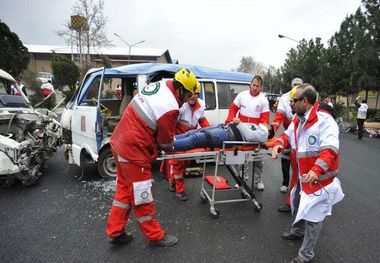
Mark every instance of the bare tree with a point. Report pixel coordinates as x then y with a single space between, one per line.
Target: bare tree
93 35
249 65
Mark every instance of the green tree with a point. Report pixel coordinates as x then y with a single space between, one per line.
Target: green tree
305 61
342 67
372 36
14 56
269 80
66 72
106 61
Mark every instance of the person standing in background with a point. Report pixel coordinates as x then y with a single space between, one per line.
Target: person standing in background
284 116
362 115
191 114
48 90
253 107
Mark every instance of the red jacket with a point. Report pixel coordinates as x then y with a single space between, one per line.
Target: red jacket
148 122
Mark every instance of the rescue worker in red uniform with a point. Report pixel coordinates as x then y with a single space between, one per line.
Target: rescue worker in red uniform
47 89
190 115
285 115
147 124
313 137
253 107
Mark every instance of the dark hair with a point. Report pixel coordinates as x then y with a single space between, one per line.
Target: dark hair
326 108
259 78
308 92
177 84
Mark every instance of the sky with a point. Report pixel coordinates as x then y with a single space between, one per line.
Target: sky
213 33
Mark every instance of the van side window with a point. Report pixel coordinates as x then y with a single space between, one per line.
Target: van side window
223 96
92 93
227 93
209 95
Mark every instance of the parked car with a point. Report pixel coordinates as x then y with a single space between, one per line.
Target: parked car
44 77
95 109
28 136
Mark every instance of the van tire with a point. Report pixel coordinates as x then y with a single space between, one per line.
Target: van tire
106 164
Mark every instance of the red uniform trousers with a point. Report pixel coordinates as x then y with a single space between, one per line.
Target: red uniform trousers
124 201
177 169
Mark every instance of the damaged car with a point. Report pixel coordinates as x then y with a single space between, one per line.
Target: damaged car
28 136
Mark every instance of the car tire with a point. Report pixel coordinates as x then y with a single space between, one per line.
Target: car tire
106 164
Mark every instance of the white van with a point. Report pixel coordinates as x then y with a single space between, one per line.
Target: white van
96 107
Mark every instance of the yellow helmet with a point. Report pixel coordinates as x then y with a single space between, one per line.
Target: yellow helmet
188 80
198 88
293 92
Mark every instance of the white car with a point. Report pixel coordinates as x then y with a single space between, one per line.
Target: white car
44 77
28 137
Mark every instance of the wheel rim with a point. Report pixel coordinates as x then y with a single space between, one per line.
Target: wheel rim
110 166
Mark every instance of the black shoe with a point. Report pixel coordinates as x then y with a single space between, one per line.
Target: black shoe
123 238
298 259
167 241
285 208
171 187
291 236
181 196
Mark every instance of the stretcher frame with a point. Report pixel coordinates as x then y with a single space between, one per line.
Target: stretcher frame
226 157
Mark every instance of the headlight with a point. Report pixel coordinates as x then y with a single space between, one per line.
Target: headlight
12 153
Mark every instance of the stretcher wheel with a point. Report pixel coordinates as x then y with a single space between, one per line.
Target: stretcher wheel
216 214
259 207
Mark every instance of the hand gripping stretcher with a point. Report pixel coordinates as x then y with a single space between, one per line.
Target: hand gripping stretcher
232 153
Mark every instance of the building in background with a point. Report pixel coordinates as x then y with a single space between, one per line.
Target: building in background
40 60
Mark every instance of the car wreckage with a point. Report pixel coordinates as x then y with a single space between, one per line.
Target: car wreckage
28 136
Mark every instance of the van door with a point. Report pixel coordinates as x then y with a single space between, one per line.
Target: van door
208 95
85 126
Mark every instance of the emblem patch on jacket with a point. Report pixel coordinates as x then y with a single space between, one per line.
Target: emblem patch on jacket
151 89
311 140
144 195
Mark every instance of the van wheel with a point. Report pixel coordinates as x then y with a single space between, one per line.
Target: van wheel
106 164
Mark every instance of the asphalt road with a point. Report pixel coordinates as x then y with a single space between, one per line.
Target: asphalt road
63 218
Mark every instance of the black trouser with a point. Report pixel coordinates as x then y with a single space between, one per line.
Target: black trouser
285 166
360 128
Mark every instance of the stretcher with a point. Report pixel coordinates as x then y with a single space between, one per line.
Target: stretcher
232 153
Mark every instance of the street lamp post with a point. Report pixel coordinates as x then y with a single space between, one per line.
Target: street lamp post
129 46
282 36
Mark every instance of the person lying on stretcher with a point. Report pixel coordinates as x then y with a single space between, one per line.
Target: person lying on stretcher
215 136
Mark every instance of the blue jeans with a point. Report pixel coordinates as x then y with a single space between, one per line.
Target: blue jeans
199 139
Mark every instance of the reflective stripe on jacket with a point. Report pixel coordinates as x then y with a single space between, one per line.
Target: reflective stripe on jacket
191 116
315 146
284 113
252 109
149 121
